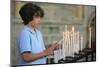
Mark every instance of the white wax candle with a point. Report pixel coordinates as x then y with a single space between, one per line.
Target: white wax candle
68 43
78 34
73 31
60 54
71 45
63 46
90 37
60 50
81 43
75 42
65 41
55 57
78 41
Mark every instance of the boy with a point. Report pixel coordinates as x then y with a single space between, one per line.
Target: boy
31 46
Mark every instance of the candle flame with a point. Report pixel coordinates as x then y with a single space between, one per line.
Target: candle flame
73 28
89 28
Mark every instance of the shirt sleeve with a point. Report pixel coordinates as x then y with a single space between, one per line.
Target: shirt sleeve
24 42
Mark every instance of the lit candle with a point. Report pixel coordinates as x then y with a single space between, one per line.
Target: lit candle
90 37
73 41
75 47
66 40
66 43
63 46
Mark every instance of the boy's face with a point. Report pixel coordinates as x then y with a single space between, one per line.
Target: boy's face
35 21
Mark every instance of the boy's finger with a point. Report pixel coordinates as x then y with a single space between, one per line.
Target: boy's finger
54 42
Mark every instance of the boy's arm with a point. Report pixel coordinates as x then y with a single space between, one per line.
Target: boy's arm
28 56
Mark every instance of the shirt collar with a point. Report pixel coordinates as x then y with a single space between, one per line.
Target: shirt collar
30 30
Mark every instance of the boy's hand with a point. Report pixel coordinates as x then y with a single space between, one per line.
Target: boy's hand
50 50
55 45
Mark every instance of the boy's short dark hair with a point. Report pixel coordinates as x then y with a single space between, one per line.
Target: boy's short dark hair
28 11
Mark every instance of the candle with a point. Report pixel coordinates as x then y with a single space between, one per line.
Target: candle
68 44
73 37
72 41
65 42
66 39
60 50
90 37
77 42
81 43
73 28
55 57
75 47
71 44
60 53
63 46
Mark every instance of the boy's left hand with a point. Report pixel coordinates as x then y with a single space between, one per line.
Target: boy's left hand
55 45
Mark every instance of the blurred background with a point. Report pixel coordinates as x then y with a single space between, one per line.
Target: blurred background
52 25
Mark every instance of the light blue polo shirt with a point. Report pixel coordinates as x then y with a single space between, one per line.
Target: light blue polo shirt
32 41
